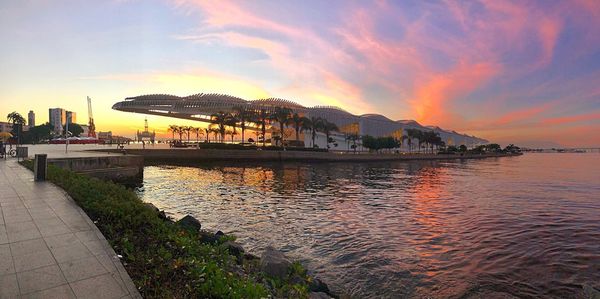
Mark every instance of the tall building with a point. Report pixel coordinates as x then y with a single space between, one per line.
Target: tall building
72 117
31 119
57 117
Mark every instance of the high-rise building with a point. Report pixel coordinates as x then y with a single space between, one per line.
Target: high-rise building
72 117
31 119
57 117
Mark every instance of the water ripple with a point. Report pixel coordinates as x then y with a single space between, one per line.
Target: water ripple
527 226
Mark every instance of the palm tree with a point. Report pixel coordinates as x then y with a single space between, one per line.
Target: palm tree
231 132
180 131
352 137
17 121
262 118
298 124
207 134
15 118
412 135
313 125
404 137
244 116
232 121
198 132
328 128
281 115
172 129
220 119
187 130
215 130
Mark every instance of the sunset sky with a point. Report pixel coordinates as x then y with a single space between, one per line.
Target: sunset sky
524 72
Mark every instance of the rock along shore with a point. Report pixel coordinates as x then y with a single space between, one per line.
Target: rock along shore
273 264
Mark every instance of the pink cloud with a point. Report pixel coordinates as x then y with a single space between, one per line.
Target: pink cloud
321 69
571 119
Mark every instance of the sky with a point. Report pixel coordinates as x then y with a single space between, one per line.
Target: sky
523 72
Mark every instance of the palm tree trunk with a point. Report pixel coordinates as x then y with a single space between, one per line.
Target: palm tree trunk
281 132
243 130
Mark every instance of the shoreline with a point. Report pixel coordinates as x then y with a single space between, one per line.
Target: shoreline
202 155
156 249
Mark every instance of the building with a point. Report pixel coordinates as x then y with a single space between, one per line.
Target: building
5 126
201 106
58 118
31 119
72 117
8 126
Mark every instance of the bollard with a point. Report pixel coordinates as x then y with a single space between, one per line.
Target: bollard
22 152
40 167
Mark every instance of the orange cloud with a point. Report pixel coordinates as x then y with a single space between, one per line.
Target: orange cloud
432 94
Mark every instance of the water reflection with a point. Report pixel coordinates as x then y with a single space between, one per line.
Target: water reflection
522 225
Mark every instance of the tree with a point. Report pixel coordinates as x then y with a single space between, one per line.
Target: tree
493 147
232 121
15 118
313 125
462 148
38 134
412 134
17 121
370 143
207 134
511 148
244 116
198 132
220 119
74 129
173 129
452 149
352 137
187 130
232 132
431 139
327 128
180 132
262 118
281 115
215 130
298 123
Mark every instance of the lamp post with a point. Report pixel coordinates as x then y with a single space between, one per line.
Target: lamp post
67 135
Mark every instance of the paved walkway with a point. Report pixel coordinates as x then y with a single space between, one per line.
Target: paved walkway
49 248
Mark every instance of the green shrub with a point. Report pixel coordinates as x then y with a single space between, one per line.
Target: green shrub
163 260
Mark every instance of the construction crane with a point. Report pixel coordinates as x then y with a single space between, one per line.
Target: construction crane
91 126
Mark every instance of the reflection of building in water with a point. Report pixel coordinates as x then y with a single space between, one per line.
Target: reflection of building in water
145 134
201 106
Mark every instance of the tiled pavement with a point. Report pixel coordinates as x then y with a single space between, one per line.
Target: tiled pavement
49 248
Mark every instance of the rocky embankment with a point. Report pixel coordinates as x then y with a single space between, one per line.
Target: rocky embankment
281 276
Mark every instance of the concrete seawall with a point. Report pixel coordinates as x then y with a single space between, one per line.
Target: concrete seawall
200 155
125 169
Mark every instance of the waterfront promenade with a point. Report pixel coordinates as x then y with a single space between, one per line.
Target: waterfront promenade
49 248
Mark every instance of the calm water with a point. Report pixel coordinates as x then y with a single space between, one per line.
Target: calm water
528 226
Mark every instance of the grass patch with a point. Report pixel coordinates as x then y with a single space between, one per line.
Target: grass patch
164 260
